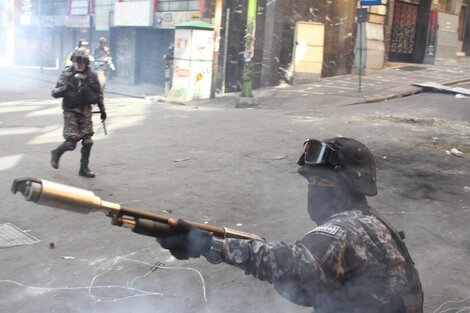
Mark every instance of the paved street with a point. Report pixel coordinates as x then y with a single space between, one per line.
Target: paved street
207 161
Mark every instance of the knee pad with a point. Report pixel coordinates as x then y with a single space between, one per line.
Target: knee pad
87 142
70 144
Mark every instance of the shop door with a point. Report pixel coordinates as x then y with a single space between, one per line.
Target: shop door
151 46
402 42
147 57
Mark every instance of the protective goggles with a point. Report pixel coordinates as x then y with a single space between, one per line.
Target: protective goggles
79 60
317 152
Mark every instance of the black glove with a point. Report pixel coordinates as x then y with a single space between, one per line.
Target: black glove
103 115
189 242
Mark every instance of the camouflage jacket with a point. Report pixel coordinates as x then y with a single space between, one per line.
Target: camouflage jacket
78 89
350 263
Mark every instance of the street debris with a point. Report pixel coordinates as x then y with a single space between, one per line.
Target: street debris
456 152
68 257
431 86
181 160
239 224
51 245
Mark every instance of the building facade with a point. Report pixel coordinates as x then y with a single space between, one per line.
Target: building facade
295 40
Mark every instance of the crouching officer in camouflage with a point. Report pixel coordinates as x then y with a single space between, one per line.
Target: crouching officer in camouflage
79 87
353 261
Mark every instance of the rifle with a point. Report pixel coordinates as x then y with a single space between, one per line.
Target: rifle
83 201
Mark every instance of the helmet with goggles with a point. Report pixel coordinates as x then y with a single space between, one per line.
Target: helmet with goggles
80 56
346 156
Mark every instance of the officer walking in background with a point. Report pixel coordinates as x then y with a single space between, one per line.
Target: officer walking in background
82 44
79 87
169 57
353 261
103 61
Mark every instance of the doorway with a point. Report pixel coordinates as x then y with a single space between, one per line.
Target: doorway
402 42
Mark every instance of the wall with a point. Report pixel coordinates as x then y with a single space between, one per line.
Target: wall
373 48
447 44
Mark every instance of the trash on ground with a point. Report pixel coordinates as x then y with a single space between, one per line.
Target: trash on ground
68 257
181 160
456 152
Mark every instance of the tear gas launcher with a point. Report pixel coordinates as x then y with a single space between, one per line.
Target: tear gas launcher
78 200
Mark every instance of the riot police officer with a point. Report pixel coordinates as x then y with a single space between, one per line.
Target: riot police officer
79 87
82 44
103 61
352 261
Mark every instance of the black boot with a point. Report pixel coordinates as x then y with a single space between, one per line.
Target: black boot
57 153
55 157
84 170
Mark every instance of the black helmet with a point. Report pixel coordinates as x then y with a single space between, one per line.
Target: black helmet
103 40
82 43
80 56
348 157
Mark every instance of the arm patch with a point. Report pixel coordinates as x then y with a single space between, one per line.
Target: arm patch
330 229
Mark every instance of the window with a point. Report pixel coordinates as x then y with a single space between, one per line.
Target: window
178 5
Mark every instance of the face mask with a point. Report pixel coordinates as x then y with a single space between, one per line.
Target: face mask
324 202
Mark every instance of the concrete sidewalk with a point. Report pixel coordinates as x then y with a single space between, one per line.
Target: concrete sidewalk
392 82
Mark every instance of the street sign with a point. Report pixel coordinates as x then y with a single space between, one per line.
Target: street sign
371 2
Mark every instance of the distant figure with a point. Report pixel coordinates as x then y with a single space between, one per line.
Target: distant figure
103 61
169 57
79 87
82 44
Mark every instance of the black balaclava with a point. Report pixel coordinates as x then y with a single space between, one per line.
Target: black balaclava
330 193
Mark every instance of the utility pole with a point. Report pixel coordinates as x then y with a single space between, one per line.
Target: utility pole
249 50
215 61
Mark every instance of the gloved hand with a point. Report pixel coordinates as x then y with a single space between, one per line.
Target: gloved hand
189 242
103 115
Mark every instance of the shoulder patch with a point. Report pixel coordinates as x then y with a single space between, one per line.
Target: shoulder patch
326 229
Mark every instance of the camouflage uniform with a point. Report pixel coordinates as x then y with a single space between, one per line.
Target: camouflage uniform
353 262
350 263
77 101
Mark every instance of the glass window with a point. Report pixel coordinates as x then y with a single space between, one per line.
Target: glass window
178 5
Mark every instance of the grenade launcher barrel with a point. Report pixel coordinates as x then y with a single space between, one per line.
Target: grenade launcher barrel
83 201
